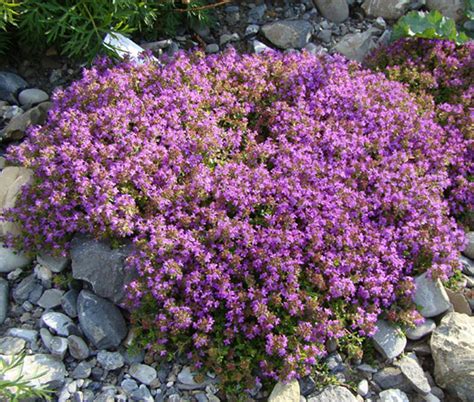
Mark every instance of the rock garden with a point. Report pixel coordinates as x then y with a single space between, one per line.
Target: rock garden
272 202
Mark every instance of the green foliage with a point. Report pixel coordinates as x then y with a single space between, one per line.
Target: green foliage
19 388
432 25
78 27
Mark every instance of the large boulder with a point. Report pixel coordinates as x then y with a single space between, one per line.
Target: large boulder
288 34
449 8
100 320
388 9
101 266
452 345
12 179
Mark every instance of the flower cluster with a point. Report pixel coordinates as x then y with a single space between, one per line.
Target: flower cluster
444 71
274 201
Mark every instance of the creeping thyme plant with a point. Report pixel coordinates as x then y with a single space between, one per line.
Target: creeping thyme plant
275 202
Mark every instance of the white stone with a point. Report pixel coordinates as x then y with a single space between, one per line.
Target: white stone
363 388
143 373
282 392
333 393
32 96
393 395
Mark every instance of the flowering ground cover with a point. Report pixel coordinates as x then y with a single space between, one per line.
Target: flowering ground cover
275 202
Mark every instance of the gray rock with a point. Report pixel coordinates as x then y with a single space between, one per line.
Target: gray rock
256 13
393 395
251 30
82 370
11 259
226 38
101 321
356 46
29 335
32 96
69 303
10 84
42 370
333 393
10 345
259 47
58 347
420 330
333 10
392 377
212 48
459 302
3 300
288 34
469 248
58 322
77 347
430 296
282 392
54 264
388 9
129 385
389 340
51 298
93 260
110 360
141 394
467 266
15 130
414 373
46 337
452 345
143 373
449 8
363 388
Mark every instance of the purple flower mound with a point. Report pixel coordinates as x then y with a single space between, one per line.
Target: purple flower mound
274 201
444 71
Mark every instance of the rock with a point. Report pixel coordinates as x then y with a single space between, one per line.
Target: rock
333 10
226 38
392 377
414 373
77 347
26 288
452 346
46 337
259 47
39 370
58 347
69 303
10 84
110 360
212 48
29 335
143 373
3 300
389 340
11 259
430 296
251 30
467 266
142 394
393 395
449 8
82 370
101 321
388 9
333 393
469 248
10 345
58 322
94 260
356 46
459 302
15 130
363 388
289 392
32 96
129 385
288 34
420 330
54 264
51 298
256 13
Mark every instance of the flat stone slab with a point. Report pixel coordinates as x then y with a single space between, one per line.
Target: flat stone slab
430 296
389 340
